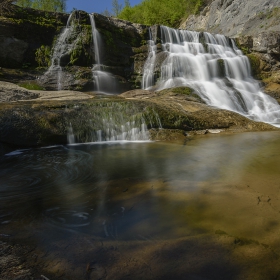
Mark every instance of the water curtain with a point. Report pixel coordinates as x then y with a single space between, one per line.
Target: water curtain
215 68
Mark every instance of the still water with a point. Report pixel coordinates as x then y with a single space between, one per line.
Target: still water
145 191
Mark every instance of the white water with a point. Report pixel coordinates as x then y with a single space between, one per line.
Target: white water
104 81
191 64
148 73
70 135
111 131
61 47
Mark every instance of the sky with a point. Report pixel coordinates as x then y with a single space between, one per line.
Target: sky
95 6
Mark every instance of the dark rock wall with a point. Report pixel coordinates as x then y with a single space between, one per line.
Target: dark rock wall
23 31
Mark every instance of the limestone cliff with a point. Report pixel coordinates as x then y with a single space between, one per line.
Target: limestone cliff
236 18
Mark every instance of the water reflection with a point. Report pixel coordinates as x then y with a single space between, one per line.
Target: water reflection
146 191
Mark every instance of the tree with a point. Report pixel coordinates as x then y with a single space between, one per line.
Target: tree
106 13
117 7
46 5
165 12
126 3
6 6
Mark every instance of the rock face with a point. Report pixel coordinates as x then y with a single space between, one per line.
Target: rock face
236 17
124 48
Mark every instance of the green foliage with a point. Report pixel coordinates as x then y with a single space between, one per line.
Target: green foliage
32 85
183 90
255 63
164 12
42 56
24 3
80 54
45 5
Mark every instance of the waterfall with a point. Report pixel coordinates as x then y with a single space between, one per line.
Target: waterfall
104 81
70 135
215 68
111 130
112 121
61 48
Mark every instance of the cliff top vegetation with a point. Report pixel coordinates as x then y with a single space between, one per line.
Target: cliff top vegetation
45 5
164 12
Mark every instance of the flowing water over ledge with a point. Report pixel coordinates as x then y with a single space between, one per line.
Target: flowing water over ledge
72 196
214 67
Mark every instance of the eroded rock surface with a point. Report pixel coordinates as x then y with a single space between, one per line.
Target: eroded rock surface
11 92
237 18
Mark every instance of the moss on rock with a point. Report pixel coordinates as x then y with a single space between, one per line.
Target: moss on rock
255 64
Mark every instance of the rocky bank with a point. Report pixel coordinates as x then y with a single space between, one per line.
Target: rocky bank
39 118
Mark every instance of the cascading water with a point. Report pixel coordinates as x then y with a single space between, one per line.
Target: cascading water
148 73
104 81
112 121
217 70
61 47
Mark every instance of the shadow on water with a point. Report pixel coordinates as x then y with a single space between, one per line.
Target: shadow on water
205 210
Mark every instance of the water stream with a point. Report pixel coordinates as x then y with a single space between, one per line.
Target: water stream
104 81
215 68
61 47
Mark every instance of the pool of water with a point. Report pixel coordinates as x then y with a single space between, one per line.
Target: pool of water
148 191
